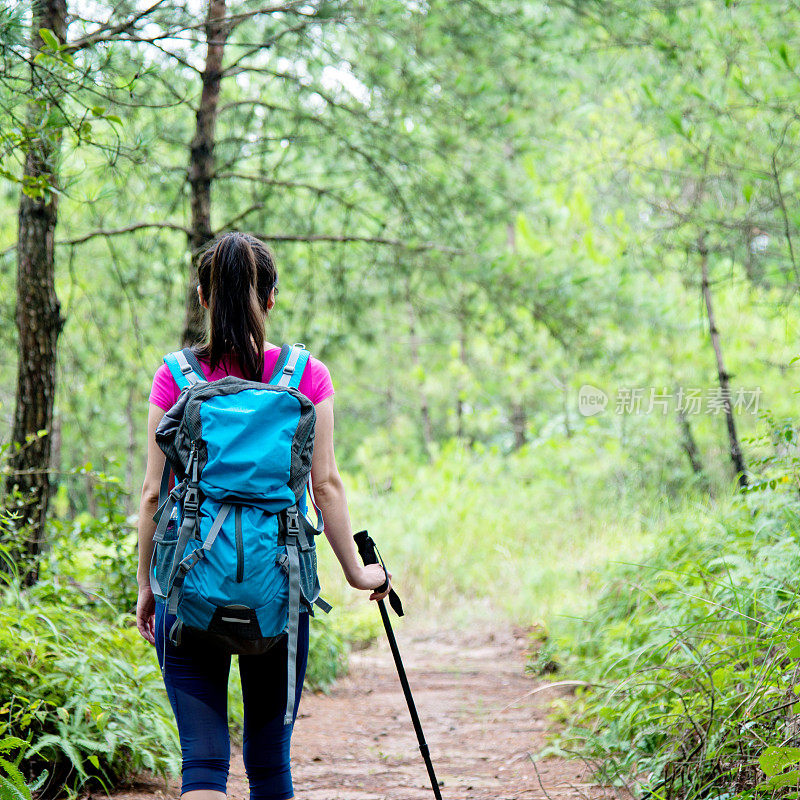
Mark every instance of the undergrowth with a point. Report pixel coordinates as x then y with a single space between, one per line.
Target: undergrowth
481 531
692 659
82 694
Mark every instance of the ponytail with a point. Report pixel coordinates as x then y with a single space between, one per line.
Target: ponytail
236 275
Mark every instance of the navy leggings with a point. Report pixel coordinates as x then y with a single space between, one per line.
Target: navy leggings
197 686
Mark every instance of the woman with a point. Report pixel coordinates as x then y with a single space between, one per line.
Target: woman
237 285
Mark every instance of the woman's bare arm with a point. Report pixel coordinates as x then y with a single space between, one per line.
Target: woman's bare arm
330 496
148 504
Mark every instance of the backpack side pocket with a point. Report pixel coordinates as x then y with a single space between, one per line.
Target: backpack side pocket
163 557
309 580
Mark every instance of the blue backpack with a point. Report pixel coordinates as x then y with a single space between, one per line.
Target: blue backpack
235 555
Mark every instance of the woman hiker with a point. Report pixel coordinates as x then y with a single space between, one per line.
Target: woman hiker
238 286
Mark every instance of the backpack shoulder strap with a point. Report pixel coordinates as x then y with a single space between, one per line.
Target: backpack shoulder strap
185 368
283 357
290 366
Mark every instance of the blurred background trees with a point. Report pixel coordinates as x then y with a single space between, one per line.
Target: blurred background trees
480 211
474 213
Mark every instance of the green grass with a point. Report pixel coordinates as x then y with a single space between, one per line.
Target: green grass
692 658
477 533
82 693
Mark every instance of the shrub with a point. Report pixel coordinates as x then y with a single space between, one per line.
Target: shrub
85 693
95 557
327 657
693 659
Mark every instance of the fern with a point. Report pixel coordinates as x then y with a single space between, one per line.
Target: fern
690 660
12 781
81 694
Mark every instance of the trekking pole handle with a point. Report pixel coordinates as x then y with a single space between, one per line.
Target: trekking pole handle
370 555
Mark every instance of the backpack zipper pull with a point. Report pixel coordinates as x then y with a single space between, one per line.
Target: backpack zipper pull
191 499
193 461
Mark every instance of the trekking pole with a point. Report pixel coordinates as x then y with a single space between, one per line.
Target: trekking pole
370 555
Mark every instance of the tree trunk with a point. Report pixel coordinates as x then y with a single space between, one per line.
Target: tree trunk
565 407
38 321
519 424
91 494
201 161
724 379
689 445
424 407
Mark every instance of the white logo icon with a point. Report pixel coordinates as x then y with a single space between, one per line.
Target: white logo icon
591 400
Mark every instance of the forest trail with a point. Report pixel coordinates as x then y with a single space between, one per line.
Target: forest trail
480 719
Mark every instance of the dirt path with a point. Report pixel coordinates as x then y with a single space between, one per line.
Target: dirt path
480 720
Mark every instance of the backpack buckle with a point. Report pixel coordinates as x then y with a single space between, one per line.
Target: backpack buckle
292 521
187 563
177 490
283 562
191 501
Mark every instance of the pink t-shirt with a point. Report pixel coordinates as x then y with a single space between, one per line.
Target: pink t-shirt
315 384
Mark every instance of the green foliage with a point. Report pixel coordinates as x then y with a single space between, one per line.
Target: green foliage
94 554
777 463
692 657
551 266
84 693
358 625
13 785
475 521
327 658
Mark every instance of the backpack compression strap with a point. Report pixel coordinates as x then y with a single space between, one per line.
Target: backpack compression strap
290 366
293 622
185 368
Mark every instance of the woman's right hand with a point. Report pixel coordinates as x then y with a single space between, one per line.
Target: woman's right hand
371 576
145 613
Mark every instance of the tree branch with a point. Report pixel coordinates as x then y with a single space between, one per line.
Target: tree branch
290 7
346 238
136 226
318 190
342 139
108 31
234 66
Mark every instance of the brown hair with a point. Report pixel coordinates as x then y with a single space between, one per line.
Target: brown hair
237 273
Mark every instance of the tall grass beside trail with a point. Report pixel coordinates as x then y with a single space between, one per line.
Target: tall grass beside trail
517 537
691 659
81 703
